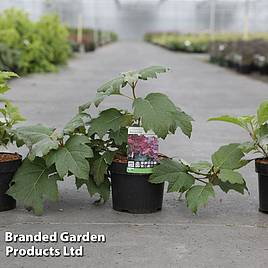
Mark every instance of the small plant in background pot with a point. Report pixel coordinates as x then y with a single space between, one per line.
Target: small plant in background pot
9 162
257 128
109 138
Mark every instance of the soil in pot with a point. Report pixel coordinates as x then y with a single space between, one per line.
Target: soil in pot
261 167
9 163
133 193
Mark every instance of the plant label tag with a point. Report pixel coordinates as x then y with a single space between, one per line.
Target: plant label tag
142 151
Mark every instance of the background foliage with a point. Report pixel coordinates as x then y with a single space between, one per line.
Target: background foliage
196 42
27 46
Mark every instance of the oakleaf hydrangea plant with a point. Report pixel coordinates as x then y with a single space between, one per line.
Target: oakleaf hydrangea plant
53 155
109 130
86 146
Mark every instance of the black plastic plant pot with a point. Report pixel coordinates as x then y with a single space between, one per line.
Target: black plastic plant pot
9 163
261 167
264 70
245 69
133 193
231 64
90 47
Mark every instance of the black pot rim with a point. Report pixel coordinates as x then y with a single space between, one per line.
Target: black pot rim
1 153
261 167
121 168
11 165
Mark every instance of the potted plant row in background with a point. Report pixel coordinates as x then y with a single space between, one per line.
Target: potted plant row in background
244 56
29 47
90 39
93 150
229 50
193 43
199 43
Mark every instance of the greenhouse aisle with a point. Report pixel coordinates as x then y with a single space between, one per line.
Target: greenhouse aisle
229 226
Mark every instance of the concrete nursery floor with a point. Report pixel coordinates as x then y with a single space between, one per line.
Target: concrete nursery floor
229 232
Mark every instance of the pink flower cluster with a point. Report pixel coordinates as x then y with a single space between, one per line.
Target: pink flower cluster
143 146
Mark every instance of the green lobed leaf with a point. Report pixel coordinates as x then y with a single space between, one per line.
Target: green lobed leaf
79 121
34 183
120 136
262 112
247 119
234 177
12 113
182 183
5 135
229 157
167 170
99 170
151 72
227 186
183 121
200 166
241 121
109 156
159 114
110 119
155 112
262 132
198 196
4 77
72 157
39 139
84 106
247 147
99 98
99 167
112 87
115 84
103 189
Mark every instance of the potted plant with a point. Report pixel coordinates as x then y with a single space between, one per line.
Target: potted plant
91 149
109 138
260 57
245 57
198 180
257 128
54 155
88 40
9 162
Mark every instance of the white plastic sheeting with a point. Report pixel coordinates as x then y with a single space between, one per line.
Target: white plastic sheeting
132 18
